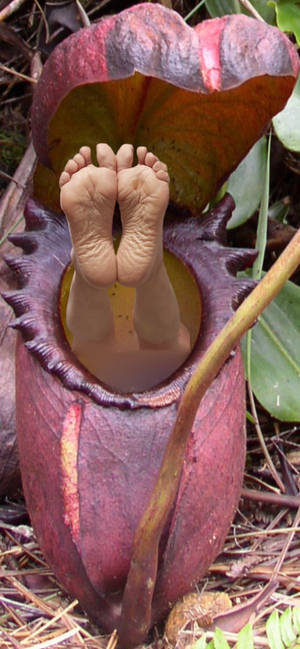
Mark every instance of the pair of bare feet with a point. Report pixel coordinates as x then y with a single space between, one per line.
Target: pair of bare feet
88 197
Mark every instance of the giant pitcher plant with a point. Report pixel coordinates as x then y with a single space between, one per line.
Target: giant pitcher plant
124 544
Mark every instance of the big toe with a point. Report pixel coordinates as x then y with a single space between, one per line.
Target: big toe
124 157
105 156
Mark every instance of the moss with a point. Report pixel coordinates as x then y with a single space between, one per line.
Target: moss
12 147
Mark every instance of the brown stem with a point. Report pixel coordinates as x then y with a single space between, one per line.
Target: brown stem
137 599
283 500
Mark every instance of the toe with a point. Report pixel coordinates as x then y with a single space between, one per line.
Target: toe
158 165
79 159
71 166
86 154
161 174
105 156
141 154
64 178
150 159
125 157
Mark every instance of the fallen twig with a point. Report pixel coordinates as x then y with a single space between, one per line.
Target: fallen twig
17 74
7 11
8 177
260 436
283 500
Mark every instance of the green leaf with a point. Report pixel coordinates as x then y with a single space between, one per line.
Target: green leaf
286 627
288 16
296 618
220 641
217 8
273 631
275 355
266 11
279 211
286 123
246 184
245 638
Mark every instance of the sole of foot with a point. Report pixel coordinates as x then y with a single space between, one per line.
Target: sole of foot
88 196
143 196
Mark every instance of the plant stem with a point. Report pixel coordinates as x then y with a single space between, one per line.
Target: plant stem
12 229
193 11
260 245
262 226
137 600
238 324
248 5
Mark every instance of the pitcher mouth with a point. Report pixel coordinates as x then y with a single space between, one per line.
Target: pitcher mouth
122 363
195 245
